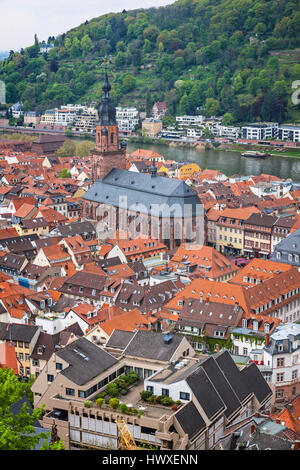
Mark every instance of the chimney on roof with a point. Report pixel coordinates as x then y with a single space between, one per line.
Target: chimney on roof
296 445
267 340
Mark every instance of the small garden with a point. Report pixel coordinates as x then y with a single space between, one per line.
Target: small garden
164 400
114 404
119 387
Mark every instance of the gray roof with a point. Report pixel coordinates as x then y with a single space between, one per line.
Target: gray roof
255 382
76 228
18 332
205 393
86 361
222 385
119 339
289 245
261 220
190 419
232 374
268 435
144 193
151 345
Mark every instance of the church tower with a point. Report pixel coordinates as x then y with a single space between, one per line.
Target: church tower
109 153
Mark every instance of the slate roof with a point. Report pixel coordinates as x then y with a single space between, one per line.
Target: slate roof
232 374
261 220
49 342
205 393
218 316
142 189
119 339
151 345
88 281
222 385
289 245
75 228
86 361
18 332
252 376
219 386
190 420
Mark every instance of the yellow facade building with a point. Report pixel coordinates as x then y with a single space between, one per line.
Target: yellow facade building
230 230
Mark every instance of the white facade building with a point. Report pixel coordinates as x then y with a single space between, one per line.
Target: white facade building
63 116
189 120
289 132
127 118
282 355
260 131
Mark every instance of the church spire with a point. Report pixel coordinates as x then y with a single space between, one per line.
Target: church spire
107 110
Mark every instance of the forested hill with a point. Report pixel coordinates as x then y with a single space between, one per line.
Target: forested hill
238 57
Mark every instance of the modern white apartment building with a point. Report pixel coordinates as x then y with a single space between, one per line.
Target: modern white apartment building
289 132
62 116
260 131
189 120
86 121
127 118
231 132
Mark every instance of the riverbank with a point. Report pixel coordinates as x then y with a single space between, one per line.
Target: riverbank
227 147
282 153
227 160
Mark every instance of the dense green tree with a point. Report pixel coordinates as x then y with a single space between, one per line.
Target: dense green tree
184 104
240 53
17 430
68 149
84 148
227 119
64 173
86 44
151 33
128 83
212 107
75 50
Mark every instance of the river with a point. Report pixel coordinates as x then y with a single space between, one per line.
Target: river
229 163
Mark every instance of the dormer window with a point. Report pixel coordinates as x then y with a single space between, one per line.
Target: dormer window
244 323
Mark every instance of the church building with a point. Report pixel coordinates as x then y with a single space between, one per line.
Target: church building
138 204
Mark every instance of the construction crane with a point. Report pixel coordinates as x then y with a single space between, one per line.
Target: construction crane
127 441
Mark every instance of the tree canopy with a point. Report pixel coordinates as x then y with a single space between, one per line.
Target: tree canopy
228 55
17 429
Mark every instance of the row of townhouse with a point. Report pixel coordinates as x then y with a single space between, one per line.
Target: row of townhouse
247 231
277 296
